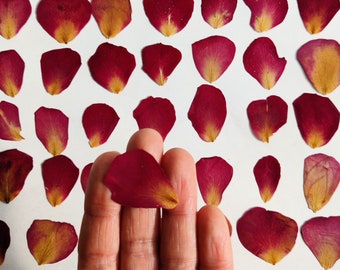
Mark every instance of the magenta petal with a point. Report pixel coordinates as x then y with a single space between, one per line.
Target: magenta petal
5 240
218 13
10 127
84 176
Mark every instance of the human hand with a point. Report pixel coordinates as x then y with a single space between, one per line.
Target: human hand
116 237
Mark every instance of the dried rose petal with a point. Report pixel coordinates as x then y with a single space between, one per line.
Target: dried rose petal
12 69
321 178
219 12
262 62
317 118
13 15
212 56
84 176
322 236
213 175
320 60
58 68
99 120
14 168
316 14
111 66
63 19
269 235
58 182
267 172
208 112
137 180
112 16
157 113
5 240
51 127
168 16
159 61
266 116
266 14
50 241
10 127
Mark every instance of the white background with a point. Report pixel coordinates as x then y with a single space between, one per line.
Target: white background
236 144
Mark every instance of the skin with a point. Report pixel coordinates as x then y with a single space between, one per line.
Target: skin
116 237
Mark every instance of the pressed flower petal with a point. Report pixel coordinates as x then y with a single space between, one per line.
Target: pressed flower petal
159 61
322 236
320 60
84 177
13 15
10 127
99 120
157 113
266 14
111 66
208 112
266 116
316 14
11 72
5 240
168 16
212 56
269 235
317 118
63 19
58 182
14 168
58 68
267 172
321 178
137 180
213 176
50 241
51 127
111 16
219 12
262 62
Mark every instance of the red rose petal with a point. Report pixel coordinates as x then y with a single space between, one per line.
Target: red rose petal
14 168
157 113
137 180
159 61
266 14
58 182
111 16
51 127
219 12
212 56
111 66
63 19
168 16
267 172
208 112
316 14
99 120
213 175
58 68
320 59
269 235
322 236
266 116
262 62
11 72
50 241
5 240
13 15
84 176
317 119
10 127
321 178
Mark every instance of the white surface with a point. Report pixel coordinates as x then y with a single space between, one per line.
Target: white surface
235 143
